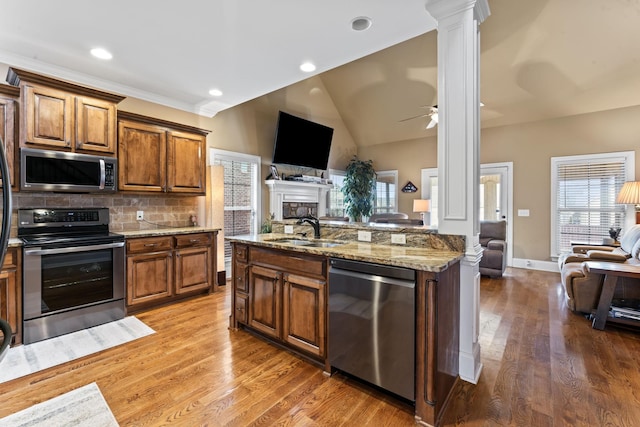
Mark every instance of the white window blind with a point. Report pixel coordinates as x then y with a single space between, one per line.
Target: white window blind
584 191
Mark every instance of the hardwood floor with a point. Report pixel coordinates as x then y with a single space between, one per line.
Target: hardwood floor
543 366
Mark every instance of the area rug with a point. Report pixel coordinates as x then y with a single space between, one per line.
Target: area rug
84 406
27 359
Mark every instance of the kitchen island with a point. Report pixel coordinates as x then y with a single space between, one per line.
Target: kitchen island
280 292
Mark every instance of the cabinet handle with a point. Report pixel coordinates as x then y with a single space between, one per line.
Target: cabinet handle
149 245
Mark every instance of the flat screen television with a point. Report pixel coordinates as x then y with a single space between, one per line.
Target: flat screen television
300 142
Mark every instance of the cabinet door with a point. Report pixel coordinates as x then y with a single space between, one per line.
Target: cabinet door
186 163
193 269
47 117
265 296
142 157
149 277
304 307
10 293
8 133
95 125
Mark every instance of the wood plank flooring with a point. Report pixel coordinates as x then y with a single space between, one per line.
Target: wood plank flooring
543 366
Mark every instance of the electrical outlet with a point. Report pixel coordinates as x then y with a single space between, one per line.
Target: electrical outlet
399 239
288 229
364 236
139 215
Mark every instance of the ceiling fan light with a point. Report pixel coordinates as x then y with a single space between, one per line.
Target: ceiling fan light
434 117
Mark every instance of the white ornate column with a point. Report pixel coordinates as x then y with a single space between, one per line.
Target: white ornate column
458 155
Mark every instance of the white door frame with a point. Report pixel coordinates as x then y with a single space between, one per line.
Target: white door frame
505 169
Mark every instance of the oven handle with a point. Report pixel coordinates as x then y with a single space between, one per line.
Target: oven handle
73 249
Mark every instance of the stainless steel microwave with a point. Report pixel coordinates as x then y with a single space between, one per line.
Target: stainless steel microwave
45 170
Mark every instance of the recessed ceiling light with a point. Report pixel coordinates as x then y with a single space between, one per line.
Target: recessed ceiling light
215 92
360 23
101 53
307 67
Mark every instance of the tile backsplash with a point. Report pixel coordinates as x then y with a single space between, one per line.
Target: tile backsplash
159 210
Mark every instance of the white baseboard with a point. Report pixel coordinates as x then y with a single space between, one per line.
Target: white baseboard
534 264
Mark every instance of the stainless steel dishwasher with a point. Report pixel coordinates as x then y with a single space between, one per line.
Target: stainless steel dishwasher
372 324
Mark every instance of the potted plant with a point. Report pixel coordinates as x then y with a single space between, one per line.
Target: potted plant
359 188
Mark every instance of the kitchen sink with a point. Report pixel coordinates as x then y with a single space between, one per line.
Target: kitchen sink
309 243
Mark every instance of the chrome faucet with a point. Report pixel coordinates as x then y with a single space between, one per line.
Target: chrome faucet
314 222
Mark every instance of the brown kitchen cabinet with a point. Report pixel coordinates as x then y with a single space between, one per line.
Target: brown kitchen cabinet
282 295
9 96
63 116
159 156
193 267
11 292
161 269
149 270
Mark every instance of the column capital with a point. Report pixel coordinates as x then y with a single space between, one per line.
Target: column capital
441 9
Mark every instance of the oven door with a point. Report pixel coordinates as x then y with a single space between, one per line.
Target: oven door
67 278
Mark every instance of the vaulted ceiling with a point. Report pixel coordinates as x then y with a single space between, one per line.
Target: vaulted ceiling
540 59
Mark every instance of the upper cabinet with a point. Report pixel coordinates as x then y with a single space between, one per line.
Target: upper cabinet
9 96
159 156
63 116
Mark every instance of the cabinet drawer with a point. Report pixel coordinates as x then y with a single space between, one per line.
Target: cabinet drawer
290 261
241 277
240 252
196 239
149 244
241 308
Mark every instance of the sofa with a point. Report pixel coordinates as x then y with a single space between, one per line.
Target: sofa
582 288
397 218
493 239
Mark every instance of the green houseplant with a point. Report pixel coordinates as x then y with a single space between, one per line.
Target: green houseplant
359 188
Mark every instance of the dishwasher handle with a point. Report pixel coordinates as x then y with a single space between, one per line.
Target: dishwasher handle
372 278
374 269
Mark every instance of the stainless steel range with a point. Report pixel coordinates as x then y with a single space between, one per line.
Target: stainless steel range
73 276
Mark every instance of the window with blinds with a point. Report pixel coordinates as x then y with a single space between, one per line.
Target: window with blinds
584 190
241 183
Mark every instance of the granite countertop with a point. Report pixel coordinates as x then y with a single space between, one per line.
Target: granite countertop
425 259
17 242
166 231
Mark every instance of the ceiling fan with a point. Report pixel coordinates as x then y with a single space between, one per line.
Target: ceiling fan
433 114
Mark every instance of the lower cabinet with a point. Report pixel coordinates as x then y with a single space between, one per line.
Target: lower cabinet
11 292
160 269
282 295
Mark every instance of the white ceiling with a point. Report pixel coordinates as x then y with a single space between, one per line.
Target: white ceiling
540 59
174 52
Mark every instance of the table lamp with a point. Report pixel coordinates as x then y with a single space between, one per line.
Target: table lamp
630 195
421 206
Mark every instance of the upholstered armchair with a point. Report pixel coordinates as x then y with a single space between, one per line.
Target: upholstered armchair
582 288
493 236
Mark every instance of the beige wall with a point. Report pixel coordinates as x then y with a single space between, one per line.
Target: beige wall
408 157
530 147
250 128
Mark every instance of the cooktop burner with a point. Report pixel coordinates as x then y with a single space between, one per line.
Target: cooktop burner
58 226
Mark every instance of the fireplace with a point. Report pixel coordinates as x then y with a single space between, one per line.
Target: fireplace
290 199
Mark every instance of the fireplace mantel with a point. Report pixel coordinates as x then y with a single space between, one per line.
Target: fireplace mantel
281 191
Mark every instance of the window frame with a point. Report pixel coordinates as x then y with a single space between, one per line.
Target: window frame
627 157
387 173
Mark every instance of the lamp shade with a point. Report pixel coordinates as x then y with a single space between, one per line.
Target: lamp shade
421 205
629 193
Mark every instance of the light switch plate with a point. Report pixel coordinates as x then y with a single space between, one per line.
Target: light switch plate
288 229
399 239
364 236
523 212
